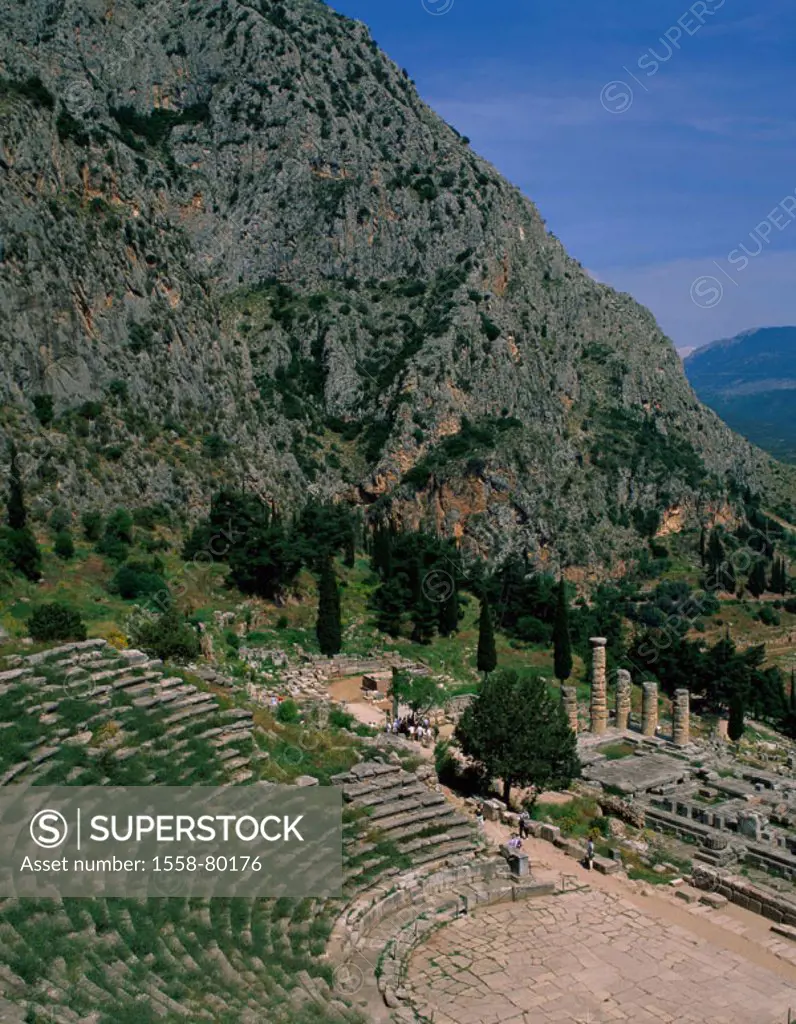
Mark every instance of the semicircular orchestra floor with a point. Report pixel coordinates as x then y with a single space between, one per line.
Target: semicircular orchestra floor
590 957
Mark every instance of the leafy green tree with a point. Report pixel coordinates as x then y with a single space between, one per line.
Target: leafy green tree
519 733
735 725
328 628
562 643
56 621
420 693
64 546
486 656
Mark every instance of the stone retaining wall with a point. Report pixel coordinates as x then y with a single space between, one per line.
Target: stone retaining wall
736 889
378 933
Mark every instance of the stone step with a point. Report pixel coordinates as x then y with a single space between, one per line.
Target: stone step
394 795
459 846
428 815
422 798
379 784
65 649
454 820
463 832
365 770
124 682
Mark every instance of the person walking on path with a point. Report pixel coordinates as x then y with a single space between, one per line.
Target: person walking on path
589 854
525 825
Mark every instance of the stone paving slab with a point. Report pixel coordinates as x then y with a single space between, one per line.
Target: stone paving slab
590 957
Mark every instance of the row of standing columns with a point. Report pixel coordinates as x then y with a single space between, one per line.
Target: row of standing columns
598 704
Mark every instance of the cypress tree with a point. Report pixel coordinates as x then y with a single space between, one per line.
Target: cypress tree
328 628
757 583
735 726
562 642
449 613
17 517
779 577
21 548
486 658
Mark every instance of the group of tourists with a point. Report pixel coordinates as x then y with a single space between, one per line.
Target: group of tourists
515 842
413 728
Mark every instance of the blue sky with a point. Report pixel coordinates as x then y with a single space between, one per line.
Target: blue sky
653 182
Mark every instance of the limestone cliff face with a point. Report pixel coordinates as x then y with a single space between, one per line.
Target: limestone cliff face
235 244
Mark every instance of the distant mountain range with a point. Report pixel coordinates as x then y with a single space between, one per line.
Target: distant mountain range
750 381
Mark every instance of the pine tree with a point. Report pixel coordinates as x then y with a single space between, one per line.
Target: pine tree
328 628
17 517
487 654
424 620
562 642
702 547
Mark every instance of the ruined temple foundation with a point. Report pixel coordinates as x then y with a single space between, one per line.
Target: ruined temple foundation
569 698
598 709
649 708
623 692
681 718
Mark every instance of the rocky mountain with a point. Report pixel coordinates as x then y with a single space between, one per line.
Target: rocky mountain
236 245
750 381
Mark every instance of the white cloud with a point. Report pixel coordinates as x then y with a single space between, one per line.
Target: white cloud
762 295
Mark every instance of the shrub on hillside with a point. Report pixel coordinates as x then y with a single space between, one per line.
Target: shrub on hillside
168 636
56 621
136 579
768 616
92 525
64 545
20 550
60 519
117 536
288 713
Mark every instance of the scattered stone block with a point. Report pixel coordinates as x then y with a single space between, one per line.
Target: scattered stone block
687 895
714 900
606 866
306 780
